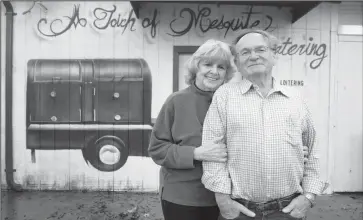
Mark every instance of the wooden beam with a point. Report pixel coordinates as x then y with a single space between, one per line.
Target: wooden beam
298 9
302 9
136 7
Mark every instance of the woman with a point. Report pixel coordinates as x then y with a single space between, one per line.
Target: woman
176 138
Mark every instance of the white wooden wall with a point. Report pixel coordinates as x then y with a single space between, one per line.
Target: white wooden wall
346 153
67 169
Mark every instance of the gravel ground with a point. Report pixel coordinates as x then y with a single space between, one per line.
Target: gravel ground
132 206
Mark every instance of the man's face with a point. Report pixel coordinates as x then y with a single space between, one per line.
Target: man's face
254 57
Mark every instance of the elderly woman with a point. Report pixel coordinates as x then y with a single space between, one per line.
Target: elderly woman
176 139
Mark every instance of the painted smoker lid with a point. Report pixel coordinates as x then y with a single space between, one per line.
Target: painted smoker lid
118 70
54 70
77 70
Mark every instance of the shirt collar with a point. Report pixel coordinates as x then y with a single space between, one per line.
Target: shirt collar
247 85
282 89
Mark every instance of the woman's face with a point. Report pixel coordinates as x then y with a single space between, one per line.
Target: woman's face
211 74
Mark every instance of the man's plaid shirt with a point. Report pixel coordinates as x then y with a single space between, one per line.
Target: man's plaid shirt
264 139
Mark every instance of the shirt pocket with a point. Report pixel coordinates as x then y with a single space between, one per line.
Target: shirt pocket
293 131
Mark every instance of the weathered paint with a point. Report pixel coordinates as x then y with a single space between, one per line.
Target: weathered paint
348 142
345 126
150 38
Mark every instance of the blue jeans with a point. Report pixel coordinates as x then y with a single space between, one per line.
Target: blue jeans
266 211
174 211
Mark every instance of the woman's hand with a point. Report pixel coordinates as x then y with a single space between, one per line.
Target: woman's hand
211 152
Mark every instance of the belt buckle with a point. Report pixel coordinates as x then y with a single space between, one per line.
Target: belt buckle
260 206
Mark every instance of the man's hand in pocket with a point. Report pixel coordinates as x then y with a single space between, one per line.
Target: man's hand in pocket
231 209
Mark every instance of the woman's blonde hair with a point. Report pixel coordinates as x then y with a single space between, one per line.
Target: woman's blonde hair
210 50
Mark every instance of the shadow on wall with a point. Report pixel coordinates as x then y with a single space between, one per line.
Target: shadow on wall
101 106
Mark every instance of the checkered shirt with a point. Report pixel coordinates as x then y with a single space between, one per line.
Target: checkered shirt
264 139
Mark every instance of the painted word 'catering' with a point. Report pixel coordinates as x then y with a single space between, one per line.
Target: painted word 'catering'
288 48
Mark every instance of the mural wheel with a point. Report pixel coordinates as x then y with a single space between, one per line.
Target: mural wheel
107 154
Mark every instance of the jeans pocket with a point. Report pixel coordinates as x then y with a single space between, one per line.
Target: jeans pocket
239 217
223 218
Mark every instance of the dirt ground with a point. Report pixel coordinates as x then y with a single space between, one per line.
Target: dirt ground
137 206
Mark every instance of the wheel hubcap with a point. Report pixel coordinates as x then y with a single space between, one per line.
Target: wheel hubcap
109 154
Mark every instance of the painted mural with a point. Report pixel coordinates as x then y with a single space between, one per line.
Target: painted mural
95 78
102 107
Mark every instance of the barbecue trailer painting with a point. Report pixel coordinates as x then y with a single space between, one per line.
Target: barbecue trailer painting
100 106
89 79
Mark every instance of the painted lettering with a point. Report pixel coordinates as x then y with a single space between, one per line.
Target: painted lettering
74 20
147 22
105 19
198 19
311 49
201 19
321 52
292 82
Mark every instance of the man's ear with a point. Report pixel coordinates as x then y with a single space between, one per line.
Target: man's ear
275 58
235 62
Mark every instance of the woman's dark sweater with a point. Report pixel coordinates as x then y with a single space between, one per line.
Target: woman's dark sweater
176 133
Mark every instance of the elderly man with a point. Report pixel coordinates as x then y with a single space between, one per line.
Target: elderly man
264 127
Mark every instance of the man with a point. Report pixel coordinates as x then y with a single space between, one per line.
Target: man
264 127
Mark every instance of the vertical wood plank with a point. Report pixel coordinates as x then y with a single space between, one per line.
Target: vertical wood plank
333 94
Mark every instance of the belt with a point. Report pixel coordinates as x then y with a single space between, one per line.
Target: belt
276 204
